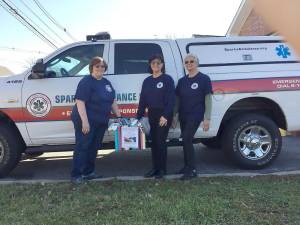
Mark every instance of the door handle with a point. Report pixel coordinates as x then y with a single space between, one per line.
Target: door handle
13 100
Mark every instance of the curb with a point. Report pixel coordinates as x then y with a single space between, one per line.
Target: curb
141 178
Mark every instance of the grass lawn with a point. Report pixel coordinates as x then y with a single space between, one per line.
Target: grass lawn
236 201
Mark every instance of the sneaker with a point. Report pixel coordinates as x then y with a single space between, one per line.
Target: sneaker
151 173
189 175
91 176
77 180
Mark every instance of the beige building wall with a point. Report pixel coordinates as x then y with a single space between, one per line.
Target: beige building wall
5 71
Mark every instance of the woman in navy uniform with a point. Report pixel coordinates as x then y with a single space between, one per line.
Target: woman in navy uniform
194 93
95 98
158 96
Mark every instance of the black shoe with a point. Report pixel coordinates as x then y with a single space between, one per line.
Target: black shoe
91 176
160 174
182 170
77 180
189 175
151 173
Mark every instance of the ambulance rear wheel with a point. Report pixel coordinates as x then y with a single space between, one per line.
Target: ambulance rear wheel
252 141
10 149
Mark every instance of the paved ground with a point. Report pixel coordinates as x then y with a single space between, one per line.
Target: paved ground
56 166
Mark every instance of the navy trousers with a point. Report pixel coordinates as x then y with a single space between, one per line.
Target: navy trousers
158 139
188 130
86 148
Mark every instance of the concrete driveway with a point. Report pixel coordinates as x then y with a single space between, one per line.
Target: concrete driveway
56 166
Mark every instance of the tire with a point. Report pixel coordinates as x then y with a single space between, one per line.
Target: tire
252 141
11 149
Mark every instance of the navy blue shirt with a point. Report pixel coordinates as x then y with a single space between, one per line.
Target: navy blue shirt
157 93
98 96
191 93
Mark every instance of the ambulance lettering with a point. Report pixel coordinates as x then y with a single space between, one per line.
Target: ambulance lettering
287 83
126 97
61 99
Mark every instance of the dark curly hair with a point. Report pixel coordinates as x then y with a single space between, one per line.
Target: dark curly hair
160 58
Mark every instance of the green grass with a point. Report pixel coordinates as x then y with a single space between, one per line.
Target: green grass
234 201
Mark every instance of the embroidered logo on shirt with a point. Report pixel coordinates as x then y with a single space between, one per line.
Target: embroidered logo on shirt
160 85
108 88
194 86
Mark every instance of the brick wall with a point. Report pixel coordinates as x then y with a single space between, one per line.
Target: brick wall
254 25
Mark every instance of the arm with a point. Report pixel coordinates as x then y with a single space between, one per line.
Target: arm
176 108
82 95
83 116
208 106
177 101
115 109
175 113
207 113
170 99
142 104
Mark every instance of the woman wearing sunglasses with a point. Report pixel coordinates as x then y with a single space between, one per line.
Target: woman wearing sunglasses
95 98
158 96
194 95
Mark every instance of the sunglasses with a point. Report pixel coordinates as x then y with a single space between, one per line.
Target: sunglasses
187 62
99 66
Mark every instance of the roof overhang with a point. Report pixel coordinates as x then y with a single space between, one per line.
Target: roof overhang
240 18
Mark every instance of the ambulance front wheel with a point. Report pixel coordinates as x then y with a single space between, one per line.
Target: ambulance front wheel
10 149
252 141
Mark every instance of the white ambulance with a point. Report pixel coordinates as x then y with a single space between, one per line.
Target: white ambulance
256 83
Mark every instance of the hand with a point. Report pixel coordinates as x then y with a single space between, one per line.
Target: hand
175 121
85 127
163 121
205 125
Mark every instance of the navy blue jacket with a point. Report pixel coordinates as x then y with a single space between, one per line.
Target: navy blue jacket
157 93
98 96
191 93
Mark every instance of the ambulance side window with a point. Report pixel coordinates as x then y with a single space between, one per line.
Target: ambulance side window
73 62
132 58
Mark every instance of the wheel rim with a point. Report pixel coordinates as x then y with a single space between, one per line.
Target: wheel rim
254 142
1 151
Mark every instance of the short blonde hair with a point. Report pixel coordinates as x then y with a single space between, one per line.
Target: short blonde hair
193 56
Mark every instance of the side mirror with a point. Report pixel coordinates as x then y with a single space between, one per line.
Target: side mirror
38 70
